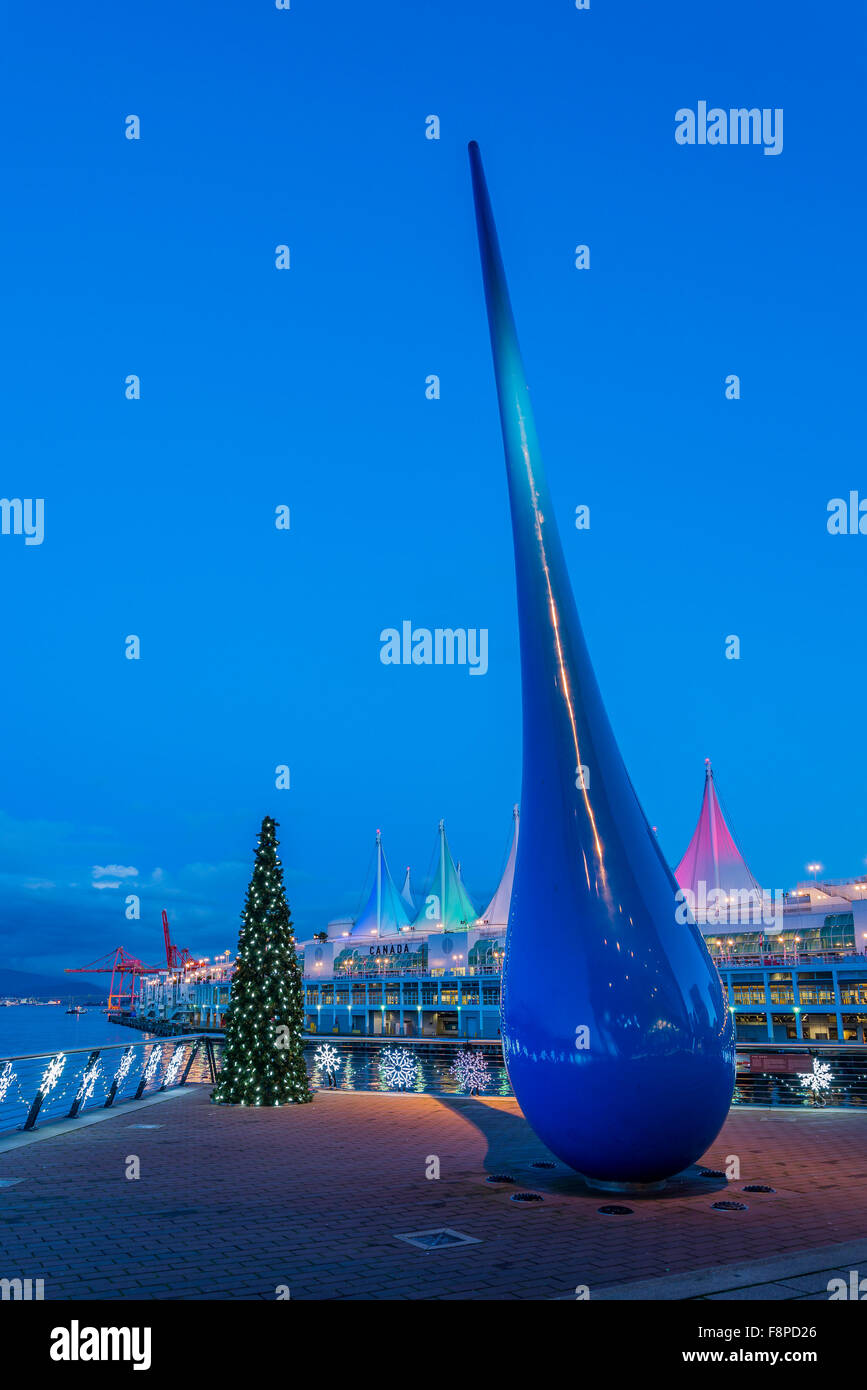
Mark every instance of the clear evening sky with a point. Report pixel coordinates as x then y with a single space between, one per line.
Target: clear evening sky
306 387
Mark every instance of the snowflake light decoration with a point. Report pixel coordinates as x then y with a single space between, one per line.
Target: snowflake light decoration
123 1070
152 1063
7 1076
174 1066
398 1068
470 1070
327 1057
88 1081
51 1076
819 1079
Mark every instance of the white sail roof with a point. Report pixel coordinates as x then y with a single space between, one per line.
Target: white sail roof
496 914
385 911
406 892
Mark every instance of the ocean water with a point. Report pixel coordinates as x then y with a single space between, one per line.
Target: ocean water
26 1028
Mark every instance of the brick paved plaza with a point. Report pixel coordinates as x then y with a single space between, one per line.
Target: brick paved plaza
234 1203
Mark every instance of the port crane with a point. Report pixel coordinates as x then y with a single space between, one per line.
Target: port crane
177 957
126 972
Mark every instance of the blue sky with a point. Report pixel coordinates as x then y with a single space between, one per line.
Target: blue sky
306 387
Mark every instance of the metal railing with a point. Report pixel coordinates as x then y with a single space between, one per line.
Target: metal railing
843 956
43 1087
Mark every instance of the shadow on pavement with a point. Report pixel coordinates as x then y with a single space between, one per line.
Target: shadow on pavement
513 1149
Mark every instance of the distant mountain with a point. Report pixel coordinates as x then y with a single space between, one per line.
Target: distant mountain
22 982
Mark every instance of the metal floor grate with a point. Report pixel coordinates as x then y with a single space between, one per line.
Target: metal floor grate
436 1239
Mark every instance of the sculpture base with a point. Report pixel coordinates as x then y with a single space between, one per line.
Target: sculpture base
626 1189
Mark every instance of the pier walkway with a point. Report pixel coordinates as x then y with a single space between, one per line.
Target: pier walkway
238 1203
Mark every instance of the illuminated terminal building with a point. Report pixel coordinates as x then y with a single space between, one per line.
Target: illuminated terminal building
426 969
793 964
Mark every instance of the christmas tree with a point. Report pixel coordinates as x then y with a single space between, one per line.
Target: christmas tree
263 1060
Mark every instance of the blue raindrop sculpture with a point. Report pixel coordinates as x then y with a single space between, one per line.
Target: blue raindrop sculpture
617 1039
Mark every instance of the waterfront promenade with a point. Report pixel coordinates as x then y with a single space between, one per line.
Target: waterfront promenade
237 1203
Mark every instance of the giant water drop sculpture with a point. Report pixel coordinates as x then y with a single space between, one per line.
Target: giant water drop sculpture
616 1035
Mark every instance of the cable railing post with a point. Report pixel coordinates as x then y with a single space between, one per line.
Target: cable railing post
49 1080
193 1053
148 1069
119 1076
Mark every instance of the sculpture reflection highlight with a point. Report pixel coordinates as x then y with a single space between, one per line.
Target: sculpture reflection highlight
617 1039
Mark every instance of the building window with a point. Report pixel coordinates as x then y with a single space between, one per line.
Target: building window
854 1028
470 993
449 994
748 993
312 994
343 996
853 992
815 994
784 1027
327 994
429 994
819 1027
782 994
750 1027
410 994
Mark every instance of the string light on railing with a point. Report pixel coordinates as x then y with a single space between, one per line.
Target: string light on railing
174 1066
122 1072
88 1081
52 1073
7 1076
152 1063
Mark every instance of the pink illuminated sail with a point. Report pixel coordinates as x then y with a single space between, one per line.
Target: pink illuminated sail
712 857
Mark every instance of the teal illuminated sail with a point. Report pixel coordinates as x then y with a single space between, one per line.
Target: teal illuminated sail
385 910
447 903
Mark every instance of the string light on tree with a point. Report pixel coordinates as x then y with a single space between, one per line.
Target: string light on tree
398 1068
263 1060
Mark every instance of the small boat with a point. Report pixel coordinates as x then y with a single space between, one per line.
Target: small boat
75 1008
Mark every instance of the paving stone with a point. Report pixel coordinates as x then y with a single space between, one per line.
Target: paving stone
232 1203
759 1292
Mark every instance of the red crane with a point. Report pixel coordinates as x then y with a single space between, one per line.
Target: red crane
176 956
125 971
